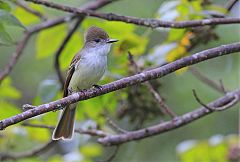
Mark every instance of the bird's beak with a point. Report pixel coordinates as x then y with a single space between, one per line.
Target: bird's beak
111 40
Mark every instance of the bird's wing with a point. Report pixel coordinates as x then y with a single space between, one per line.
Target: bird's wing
70 72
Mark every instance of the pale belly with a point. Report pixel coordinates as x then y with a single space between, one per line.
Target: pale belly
87 73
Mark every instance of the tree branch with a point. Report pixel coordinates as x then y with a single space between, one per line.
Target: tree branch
7 69
123 83
153 23
230 4
206 80
34 152
170 125
91 132
30 10
165 109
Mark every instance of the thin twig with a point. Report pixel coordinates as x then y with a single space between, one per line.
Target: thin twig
115 126
220 108
31 153
7 69
30 10
206 80
91 132
230 4
110 158
165 109
169 125
123 83
222 86
153 23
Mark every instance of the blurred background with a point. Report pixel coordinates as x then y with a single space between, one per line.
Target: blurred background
34 81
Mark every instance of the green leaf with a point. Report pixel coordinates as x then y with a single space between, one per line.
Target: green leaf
91 150
175 34
41 135
7 109
5 38
26 17
49 40
7 91
216 8
8 19
73 46
5 6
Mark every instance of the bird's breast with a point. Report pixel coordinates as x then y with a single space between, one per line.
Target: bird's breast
88 71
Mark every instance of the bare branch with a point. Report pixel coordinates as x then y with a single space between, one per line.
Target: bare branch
206 80
165 109
219 108
91 132
31 153
123 83
115 126
169 125
7 69
230 4
110 158
153 23
30 10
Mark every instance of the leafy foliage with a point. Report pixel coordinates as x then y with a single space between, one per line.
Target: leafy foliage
217 148
6 19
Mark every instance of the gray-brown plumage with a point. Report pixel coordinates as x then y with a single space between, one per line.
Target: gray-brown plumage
86 69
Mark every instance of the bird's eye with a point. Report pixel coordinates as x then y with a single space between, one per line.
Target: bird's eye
97 40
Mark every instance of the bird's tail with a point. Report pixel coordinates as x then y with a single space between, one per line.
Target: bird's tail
65 127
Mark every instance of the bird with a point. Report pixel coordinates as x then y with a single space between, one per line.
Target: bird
86 69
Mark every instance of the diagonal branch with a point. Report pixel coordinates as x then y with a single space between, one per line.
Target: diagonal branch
153 23
21 45
31 153
123 83
165 109
172 124
30 10
206 80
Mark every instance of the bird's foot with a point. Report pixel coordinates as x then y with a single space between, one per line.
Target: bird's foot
98 87
81 90
70 91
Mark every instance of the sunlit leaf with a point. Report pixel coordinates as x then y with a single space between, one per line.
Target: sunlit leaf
216 8
176 53
5 38
7 91
8 19
7 109
91 150
5 6
38 134
181 71
176 34
215 149
196 5
49 40
132 42
26 17
72 47
55 158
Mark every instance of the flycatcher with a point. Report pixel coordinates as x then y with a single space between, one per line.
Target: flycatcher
86 69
